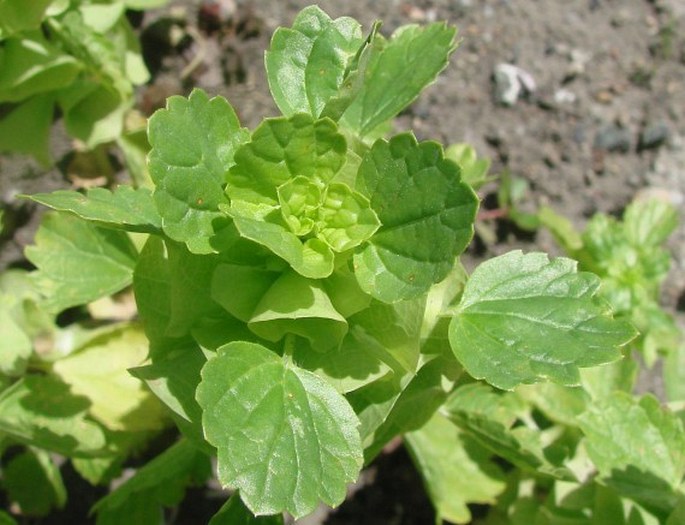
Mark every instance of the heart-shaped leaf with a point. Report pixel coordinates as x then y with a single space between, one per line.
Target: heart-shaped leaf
193 141
524 318
426 214
285 438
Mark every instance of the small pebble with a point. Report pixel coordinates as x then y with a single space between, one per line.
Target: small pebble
654 135
613 138
512 82
564 96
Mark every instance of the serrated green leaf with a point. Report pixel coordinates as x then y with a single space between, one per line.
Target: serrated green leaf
355 77
79 262
26 128
630 265
99 372
193 142
426 214
638 448
101 54
285 438
33 482
42 411
409 61
160 482
31 65
126 208
306 64
455 470
94 106
524 318
234 512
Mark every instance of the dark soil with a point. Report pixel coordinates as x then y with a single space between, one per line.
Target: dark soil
605 123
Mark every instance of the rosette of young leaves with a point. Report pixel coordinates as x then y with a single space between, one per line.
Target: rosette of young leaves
629 253
426 214
285 438
524 318
630 257
193 142
284 195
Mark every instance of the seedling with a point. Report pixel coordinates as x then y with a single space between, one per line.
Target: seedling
300 288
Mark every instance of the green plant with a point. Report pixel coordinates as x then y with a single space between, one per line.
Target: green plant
302 295
78 57
630 258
